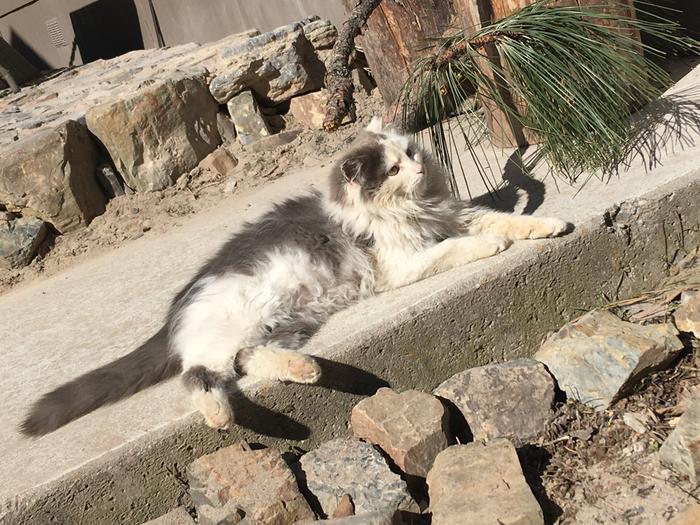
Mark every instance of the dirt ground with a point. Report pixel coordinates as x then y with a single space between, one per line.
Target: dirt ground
129 217
601 468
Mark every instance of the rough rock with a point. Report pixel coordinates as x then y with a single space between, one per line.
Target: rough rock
227 514
20 240
51 175
226 128
688 516
246 116
219 161
39 105
255 483
373 518
159 131
362 80
179 516
276 65
230 185
599 357
348 466
512 399
322 34
275 141
309 110
481 483
687 316
681 450
411 427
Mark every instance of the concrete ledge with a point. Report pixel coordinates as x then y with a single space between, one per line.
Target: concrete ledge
124 463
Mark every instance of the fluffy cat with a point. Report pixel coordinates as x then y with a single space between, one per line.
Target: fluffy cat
388 221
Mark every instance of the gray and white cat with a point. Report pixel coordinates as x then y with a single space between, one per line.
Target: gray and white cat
388 221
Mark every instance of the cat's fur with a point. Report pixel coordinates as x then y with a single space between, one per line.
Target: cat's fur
389 221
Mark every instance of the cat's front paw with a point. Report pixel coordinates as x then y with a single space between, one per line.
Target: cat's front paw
548 227
493 244
303 369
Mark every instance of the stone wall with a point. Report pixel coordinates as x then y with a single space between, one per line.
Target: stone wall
150 116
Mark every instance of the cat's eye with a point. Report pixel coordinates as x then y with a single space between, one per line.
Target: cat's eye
393 171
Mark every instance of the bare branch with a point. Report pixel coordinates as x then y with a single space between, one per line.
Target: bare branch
339 74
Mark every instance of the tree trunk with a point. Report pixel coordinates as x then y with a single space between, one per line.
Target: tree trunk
397 33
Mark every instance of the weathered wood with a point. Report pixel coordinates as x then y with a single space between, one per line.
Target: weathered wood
397 33
471 13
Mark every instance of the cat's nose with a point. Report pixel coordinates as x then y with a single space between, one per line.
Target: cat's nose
419 171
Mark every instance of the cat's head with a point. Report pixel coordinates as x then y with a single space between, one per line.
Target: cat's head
383 166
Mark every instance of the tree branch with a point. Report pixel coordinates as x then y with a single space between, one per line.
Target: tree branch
339 75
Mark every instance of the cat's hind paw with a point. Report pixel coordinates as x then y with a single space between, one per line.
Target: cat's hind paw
303 369
215 408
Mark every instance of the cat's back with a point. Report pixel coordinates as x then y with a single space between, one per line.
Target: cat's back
297 224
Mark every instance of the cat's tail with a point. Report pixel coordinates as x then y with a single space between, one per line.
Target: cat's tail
149 364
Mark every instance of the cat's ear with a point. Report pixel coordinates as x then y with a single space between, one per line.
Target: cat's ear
351 168
375 125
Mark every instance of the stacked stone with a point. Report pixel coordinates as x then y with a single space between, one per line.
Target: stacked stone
152 115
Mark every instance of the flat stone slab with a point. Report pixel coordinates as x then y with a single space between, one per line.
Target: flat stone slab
481 483
599 357
411 427
257 482
681 450
512 399
349 466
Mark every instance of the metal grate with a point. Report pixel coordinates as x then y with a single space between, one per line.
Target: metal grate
56 35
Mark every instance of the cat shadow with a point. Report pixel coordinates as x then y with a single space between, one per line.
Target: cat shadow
347 378
334 376
516 176
261 420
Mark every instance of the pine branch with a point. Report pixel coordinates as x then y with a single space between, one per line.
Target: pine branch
576 74
339 75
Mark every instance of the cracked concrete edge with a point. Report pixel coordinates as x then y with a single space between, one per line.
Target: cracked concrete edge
492 316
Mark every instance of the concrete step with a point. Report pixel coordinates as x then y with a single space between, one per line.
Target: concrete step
123 463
